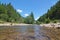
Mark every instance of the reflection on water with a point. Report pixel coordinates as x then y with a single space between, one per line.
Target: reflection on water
30 32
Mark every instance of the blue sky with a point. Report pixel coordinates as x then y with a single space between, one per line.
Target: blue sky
24 7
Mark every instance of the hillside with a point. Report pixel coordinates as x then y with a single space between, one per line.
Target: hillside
52 15
9 14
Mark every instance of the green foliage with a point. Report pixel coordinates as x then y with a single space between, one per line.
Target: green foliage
47 21
30 19
37 22
55 21
8 13
53 14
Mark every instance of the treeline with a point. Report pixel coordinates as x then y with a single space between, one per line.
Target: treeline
52 15
9 14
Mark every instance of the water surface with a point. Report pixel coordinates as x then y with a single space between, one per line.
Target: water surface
29 32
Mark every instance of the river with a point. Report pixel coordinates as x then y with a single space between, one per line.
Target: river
29 32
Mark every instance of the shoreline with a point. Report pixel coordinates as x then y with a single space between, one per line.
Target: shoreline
51 25
13 24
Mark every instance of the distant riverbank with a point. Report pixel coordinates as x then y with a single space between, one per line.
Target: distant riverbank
54 25
13 24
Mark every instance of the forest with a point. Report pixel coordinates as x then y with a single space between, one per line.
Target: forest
52 15
9 14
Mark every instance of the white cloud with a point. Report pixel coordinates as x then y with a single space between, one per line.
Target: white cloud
26 15
19 10
37 18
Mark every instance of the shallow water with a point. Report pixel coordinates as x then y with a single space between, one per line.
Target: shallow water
30 32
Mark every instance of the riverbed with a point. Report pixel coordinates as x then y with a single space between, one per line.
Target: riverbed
29 32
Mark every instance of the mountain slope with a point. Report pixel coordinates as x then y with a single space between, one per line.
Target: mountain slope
52 14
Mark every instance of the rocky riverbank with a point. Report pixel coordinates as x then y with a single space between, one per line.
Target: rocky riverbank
51 25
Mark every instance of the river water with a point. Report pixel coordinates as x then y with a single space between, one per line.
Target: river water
29 32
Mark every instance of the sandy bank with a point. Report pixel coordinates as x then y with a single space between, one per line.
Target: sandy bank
13 24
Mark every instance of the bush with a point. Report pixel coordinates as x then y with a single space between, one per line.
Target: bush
47 21
54 21
37 22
